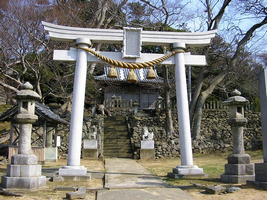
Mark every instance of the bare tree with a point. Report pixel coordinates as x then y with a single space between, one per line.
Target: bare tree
21 38
213 22
165 14
89 14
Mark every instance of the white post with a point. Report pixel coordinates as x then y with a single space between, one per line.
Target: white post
75 138
76 124
186 166
182 106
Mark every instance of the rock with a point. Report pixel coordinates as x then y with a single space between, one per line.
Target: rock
62 188
75 195
215 189
232 189
2 158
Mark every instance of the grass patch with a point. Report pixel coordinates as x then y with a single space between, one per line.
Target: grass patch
212 164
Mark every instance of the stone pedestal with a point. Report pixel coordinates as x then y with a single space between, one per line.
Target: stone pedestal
72 173
51 154
90 150
260 175
90 153
147 154
238 169
147 150
189 171
23 173
147 144
261 172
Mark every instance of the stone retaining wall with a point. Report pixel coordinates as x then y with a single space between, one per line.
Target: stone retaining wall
215 132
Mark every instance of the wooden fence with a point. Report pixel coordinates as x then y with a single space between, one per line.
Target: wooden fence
219 105
126 104
118 103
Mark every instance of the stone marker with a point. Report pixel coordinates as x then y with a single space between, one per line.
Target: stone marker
261 168
147 150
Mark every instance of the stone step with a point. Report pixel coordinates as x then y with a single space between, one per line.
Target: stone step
106 150
118 148
115 121
119 138
114 149
118 155
123 141
123 134
117 143
116 138
116 128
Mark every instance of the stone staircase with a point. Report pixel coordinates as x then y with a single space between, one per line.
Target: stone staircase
116 138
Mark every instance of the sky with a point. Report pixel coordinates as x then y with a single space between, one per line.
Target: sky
233 20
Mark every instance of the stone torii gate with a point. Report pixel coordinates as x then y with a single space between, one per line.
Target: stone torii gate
132 39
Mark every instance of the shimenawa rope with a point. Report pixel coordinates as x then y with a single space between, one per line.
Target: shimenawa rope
130 65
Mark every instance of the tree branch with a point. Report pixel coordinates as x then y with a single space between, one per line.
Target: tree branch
9 87
214 23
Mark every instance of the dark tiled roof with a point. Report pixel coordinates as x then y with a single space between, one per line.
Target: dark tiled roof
123 73
40 110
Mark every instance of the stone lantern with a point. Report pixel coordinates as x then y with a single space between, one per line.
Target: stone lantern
159 102
24 171
238 169
135 105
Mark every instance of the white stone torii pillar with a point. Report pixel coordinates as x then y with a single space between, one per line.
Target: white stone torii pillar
73 167
136 38
182 105
78 103
186 167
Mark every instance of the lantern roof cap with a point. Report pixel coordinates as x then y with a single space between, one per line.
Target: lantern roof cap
27 92
235 99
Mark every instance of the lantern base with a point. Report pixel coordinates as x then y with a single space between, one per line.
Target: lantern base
236 178
24 173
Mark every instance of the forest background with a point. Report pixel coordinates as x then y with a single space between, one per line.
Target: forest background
235 57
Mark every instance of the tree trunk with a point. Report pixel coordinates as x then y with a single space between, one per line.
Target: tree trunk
196 94
201 100
198 116
93 65
167 89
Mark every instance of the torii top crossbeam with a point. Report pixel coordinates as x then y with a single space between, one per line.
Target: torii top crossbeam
70 34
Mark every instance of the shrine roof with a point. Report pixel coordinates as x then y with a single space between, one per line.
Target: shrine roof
41 111
123 73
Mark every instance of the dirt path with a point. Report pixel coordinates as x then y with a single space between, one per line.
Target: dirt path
159 167
247 192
